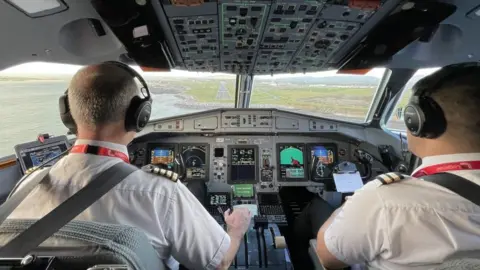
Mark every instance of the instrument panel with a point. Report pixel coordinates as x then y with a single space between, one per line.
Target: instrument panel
266 162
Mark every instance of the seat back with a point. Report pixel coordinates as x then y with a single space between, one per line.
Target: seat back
455 264
460 264
83 244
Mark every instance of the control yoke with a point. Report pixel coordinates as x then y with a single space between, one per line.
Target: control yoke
182 172
366 159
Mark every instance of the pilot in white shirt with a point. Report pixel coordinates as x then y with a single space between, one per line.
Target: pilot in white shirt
412 223
170 215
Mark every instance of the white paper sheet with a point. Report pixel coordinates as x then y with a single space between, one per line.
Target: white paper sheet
347 182
252 207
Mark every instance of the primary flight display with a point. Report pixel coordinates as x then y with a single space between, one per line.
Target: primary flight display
291 162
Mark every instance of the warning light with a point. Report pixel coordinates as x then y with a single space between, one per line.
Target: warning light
354 71
42 137
152 69
364 5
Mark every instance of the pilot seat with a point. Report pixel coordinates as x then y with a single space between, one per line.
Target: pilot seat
82 245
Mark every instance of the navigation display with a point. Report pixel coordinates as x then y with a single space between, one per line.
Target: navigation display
195 159
291 161
243 160
163 156
35 156
322 159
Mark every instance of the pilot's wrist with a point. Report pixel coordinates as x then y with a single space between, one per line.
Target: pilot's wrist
235 233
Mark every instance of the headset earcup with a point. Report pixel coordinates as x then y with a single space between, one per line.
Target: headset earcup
138 114
65 114
435 123
143 115
414 118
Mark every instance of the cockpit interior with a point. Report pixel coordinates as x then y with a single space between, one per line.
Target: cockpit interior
270 159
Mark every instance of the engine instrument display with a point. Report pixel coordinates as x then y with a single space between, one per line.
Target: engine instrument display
195 159
243 160
163 156
291 162
322 159
218 199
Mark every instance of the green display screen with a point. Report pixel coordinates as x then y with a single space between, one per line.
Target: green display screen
243 190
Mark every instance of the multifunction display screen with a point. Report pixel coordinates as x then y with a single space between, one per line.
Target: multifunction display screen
35 156
195 159
243 164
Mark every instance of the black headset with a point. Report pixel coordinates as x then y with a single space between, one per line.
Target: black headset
138 112
423 116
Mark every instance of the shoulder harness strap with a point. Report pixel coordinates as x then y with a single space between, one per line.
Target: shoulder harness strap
389 178
162 172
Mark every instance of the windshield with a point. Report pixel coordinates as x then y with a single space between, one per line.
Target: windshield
29 98
324 94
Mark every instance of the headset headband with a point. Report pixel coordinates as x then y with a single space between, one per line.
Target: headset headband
134 74
138 112
434 82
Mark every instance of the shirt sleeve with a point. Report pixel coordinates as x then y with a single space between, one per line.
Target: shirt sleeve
359 232
197 241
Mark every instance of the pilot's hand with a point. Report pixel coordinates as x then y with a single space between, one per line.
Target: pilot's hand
237 221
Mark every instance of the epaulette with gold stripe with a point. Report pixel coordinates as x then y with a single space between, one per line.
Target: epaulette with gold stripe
32 169
162 172
389 178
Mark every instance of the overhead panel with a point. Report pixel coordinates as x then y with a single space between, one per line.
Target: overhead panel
287 26
265 36
325 38
241 27
197 38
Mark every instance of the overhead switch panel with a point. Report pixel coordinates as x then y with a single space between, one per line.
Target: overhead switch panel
265 36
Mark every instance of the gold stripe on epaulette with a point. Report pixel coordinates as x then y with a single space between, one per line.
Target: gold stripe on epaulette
395 176
380 179
386 179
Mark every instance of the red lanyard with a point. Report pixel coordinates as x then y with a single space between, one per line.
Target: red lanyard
446 167
98 150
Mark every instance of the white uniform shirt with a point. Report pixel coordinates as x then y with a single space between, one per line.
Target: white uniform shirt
173 219
411 224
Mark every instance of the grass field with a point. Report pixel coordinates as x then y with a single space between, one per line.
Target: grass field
323 99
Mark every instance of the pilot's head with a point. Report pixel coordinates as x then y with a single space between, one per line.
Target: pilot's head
443 116
99 97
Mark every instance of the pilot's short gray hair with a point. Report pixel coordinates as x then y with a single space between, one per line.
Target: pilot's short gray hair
459 98
100 95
